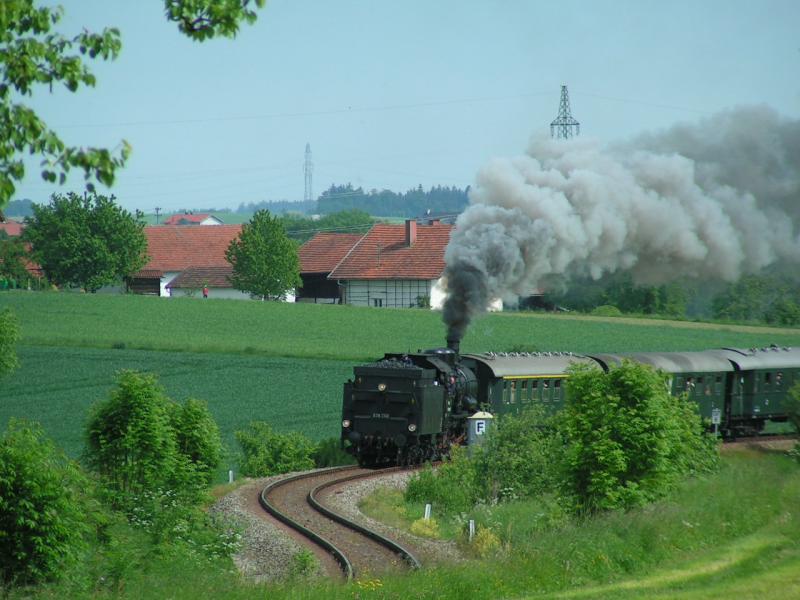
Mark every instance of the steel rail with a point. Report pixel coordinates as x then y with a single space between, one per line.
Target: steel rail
393 546
343 561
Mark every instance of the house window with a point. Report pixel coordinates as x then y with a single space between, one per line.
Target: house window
377 302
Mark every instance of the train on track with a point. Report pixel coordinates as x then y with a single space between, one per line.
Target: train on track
410 408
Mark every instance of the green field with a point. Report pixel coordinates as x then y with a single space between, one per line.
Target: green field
341 332
283 363
57 385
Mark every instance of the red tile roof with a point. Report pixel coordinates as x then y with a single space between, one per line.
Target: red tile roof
189 219
324 251
384 254
197 277
182 246
12 228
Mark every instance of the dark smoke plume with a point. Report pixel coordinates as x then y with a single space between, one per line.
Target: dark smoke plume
713 200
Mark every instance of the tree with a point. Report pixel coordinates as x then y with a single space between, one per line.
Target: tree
43 514
141 442
628 439
32 54
12 260
264 259
197 436
86 240
9 336
265 452
130 441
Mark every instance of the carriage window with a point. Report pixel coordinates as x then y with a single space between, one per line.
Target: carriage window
718 385
700 380
545 391
779 379
557 388
512 397
767 379
524 395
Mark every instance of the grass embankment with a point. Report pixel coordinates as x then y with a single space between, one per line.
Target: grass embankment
731 534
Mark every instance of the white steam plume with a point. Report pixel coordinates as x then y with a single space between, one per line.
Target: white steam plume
714 200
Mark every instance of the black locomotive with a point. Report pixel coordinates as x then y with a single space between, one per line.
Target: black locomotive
409 408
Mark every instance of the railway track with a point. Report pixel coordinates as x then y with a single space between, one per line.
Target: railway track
299 503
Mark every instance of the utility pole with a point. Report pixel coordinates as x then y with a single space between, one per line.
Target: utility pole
158 211
308 170
562 127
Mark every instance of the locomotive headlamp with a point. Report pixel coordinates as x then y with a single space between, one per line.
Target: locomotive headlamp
381 387
412 428
346 423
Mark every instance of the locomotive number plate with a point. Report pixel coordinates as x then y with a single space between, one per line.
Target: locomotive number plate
380 415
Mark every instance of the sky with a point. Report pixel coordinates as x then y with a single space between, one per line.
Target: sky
392 95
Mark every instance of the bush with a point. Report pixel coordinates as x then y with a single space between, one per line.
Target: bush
130 441
452 487
44 516
521 457
198 438
266 453
139 441
329 453
485 542
606 310
628 438
428 528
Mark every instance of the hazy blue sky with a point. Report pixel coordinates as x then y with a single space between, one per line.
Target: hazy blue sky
395 94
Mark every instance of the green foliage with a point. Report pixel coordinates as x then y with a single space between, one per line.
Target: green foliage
130 440
265 452
428 528
520 459
86 240
304 564
410 204
204 19
12 260
140 442
264 259
33 53
606 310
328 453
9 336
44 519
627 439
198 437
773 299
452 488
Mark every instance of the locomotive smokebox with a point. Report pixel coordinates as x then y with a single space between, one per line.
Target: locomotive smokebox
453 343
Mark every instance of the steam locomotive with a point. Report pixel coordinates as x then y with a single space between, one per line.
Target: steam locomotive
410 408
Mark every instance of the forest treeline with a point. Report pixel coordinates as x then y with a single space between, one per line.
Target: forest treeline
414 203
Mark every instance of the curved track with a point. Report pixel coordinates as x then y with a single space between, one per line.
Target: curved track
358 550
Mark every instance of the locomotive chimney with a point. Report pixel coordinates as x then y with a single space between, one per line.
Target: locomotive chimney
454 343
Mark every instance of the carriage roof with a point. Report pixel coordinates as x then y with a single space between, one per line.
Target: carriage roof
534 364
673 362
